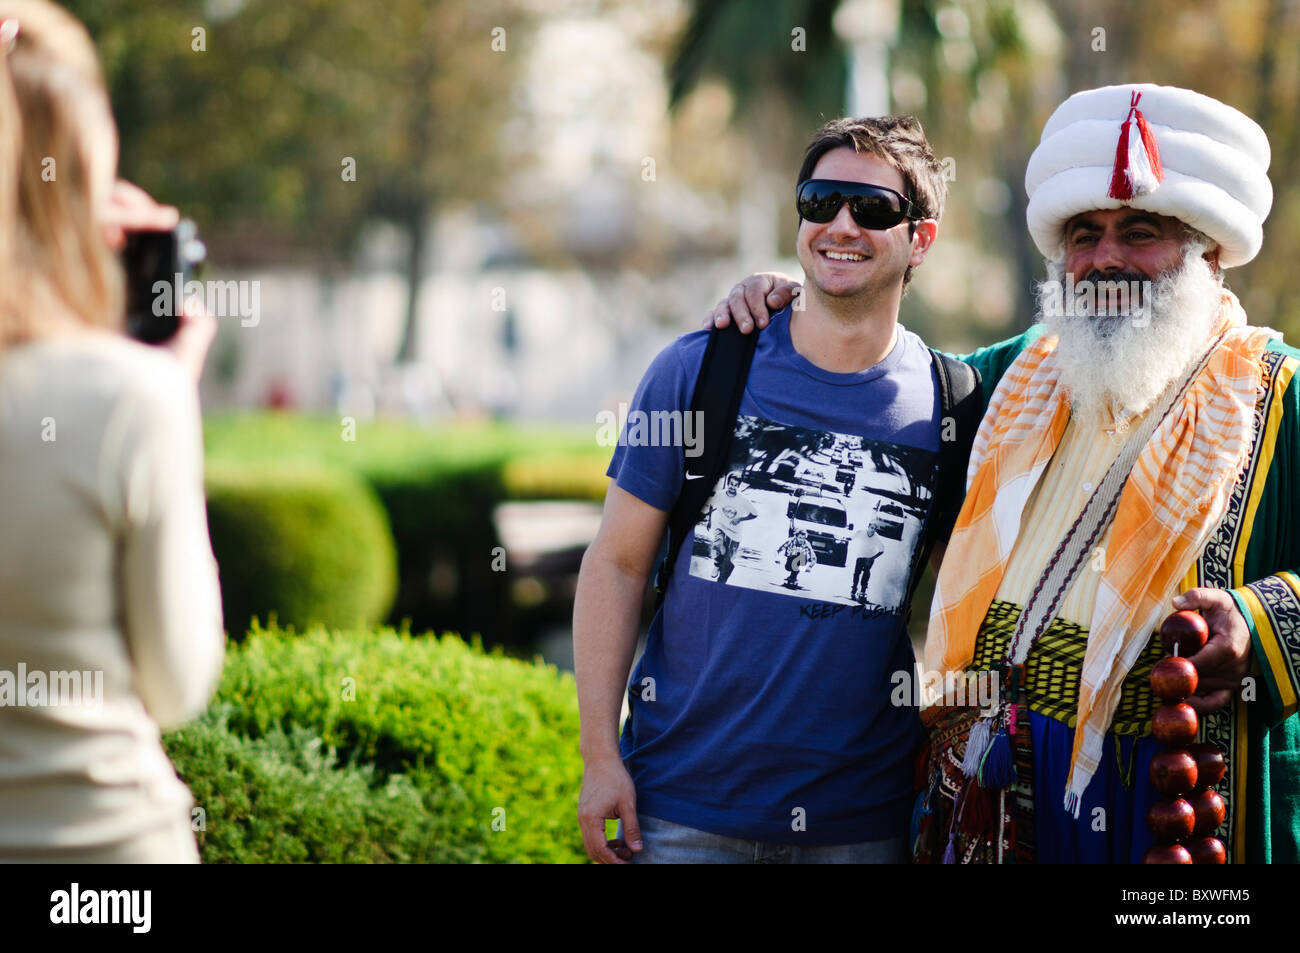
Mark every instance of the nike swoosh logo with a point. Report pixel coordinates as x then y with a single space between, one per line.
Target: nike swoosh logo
695 476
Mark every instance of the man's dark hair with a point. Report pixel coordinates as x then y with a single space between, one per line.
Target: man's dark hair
898 140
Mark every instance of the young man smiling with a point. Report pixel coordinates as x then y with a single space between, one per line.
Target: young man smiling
760 727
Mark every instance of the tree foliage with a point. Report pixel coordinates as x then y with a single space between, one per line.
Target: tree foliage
249 134
990 73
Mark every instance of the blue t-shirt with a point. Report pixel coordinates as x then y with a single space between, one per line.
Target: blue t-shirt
761 707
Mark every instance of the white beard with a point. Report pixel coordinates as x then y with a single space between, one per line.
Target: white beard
1120 363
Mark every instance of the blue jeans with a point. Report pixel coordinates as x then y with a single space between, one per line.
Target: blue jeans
667 843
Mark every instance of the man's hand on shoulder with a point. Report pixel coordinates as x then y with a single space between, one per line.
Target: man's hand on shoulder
753 301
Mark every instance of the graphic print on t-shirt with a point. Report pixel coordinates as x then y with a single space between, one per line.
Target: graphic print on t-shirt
815 514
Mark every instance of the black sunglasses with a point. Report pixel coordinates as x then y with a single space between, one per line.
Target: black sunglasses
872 206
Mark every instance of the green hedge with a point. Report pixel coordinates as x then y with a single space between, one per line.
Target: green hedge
307 544
486 741
282 799
557 478
394 451
439 486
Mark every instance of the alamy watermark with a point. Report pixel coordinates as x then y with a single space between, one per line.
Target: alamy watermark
920 689
1103 297
652 428
39 689
131 908
221 299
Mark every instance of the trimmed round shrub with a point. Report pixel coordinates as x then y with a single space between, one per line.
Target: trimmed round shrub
303 544
489 742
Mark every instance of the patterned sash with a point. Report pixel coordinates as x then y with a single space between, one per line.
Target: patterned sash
1053 670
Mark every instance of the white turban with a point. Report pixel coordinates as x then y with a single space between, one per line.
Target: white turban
1188 156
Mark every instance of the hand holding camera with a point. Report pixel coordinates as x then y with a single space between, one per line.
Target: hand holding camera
158 246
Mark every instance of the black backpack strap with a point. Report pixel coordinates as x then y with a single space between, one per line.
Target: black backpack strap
961 408
718 390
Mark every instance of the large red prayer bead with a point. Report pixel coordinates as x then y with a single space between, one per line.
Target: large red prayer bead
1167 854
1173 679
1208 809
1173 772
1171 819
1207 850
1175 725
1210 763
1187 630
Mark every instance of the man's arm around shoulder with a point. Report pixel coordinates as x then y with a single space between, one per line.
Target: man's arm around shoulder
606 613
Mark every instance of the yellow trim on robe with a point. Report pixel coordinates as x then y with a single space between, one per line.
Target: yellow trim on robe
1272 646
1263 461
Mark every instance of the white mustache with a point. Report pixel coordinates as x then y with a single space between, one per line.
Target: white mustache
1118 361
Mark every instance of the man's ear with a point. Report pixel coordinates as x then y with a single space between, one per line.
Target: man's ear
1212 256
927 230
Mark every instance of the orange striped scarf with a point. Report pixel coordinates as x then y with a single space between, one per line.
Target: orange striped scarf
1177 493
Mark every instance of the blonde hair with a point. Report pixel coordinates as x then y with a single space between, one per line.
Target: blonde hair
53 253
11 145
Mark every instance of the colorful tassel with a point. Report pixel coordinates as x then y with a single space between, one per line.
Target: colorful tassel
1120 186
1149 145
1137 168
950 852
996 771
977 745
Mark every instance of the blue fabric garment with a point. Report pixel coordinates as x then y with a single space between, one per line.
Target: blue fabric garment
1123 837
761 708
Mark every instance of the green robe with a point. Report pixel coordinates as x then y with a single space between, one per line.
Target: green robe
1255 554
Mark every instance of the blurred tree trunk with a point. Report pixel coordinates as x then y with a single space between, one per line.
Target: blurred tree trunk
417 227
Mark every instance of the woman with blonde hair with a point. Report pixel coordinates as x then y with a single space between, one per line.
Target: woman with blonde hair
110 611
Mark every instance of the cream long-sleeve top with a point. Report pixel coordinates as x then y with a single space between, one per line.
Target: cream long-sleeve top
106 572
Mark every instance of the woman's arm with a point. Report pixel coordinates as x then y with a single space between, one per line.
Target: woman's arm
171 591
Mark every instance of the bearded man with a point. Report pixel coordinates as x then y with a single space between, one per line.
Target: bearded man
1160 189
